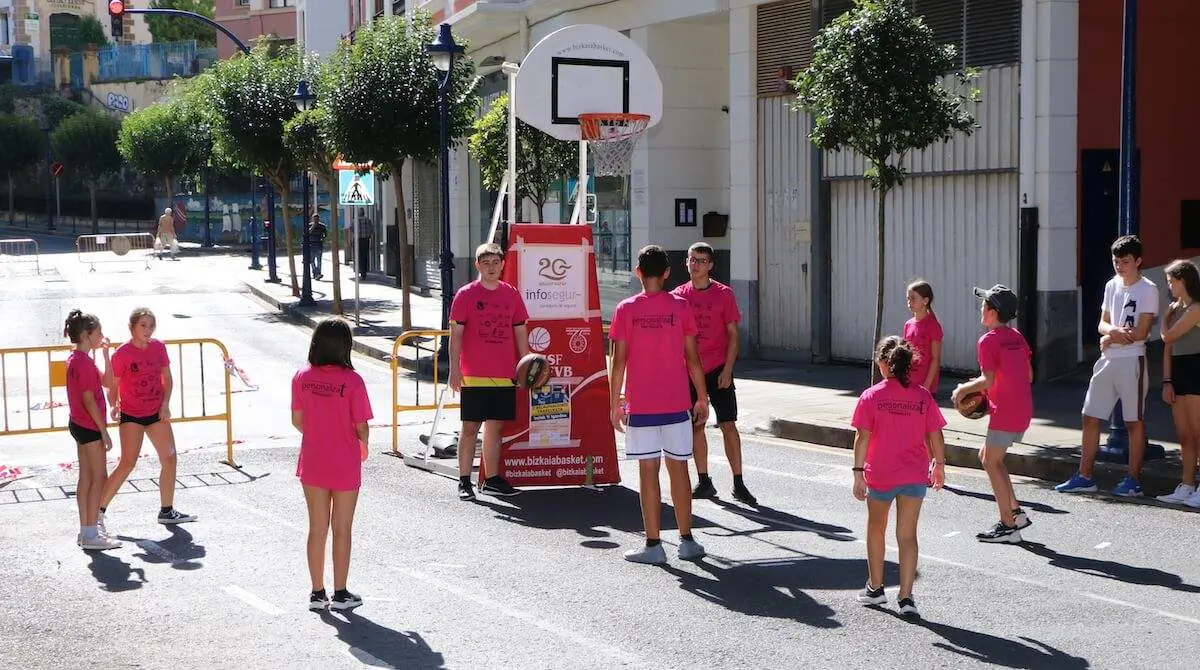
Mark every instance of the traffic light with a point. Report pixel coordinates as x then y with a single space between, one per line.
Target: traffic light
116 13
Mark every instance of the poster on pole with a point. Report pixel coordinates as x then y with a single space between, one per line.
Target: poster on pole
562 435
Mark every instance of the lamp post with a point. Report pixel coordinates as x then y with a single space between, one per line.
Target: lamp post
305 100
254 234
271 225
208 147
443 50
49 179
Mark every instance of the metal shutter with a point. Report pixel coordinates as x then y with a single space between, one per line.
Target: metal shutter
784 44
945 17
993 32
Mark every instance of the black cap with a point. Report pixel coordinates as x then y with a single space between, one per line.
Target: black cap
1001 298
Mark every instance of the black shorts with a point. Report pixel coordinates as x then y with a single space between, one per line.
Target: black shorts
722 401
489 403
140 420
1185 374
83 435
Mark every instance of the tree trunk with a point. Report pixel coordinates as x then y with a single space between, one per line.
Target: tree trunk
286 222
11 220
331 180
879 281
95 215
405 270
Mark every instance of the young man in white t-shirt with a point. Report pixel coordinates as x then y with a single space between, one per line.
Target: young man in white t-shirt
1129 309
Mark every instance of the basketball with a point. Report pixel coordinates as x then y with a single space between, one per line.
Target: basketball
533 371
972 405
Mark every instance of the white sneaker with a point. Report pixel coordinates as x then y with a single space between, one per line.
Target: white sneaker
100 524
1180 496
99 543
1193 500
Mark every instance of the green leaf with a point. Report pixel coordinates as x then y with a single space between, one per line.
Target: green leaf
162 141
86 143
181 29
22 146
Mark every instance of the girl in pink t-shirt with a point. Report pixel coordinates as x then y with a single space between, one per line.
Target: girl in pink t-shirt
330 408
895 420
140 397
85 399
924 333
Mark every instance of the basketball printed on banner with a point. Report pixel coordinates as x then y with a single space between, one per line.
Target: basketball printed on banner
539 339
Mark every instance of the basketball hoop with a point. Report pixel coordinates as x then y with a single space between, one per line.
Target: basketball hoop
610 139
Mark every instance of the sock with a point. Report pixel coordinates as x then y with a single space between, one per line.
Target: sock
165 510
493 479
703 476
737 482
320 593
103 510
652 543
341 594
90 532
466 479
687 537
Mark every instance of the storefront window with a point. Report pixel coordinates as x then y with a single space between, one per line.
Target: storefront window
610 232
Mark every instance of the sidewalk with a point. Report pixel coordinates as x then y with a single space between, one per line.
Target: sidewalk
796 401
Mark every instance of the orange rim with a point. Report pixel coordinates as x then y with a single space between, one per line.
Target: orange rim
590 125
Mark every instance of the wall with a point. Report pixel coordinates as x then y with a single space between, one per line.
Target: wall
137 95
320 24
1168 94
249 23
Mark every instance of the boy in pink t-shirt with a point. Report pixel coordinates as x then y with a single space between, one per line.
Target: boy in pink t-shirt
717 317
331 409
654 337
487 337
898 424
1007 376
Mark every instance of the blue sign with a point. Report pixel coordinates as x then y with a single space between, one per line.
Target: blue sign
355 189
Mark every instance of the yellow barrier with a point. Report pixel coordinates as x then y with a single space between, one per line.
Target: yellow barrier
55 376
119 247
432 339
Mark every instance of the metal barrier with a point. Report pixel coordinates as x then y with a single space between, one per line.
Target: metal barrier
426 346
38 378
19 250
115 248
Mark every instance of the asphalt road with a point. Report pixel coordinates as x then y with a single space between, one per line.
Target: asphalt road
536 581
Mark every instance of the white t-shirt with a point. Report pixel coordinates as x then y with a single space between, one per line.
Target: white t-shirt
1124 304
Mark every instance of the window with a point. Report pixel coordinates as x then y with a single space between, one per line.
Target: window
278 4
379 8
243 3
4 39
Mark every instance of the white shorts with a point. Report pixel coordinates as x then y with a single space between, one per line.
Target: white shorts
1116 379
673 441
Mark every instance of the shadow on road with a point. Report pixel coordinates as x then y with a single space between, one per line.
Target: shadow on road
1111 569
114 574
1041 508
374 645
587 512
179 550
777 520
1000 652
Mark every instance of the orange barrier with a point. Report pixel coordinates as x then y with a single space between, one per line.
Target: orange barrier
38 378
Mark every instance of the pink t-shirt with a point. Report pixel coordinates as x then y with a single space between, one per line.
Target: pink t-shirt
921 334
898 419
714 308
333 400
83 375
489 348
140 373
654 327
1004 351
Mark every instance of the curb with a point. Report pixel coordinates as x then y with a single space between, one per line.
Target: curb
1156 475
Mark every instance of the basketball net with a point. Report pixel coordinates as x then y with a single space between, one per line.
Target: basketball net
611 138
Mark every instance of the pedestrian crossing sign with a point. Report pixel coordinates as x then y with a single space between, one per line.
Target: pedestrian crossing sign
355 188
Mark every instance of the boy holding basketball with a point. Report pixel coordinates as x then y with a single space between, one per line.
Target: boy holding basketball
487 338
716 311
654 338
1006 378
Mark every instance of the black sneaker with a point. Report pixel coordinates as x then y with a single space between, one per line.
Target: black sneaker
344 600
704 489
317 600
908 607
1021 519
1001 534
743 495
498 486
466 491
870 596
174 516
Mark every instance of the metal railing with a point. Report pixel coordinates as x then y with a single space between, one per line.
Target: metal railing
30 375
20 250
118 248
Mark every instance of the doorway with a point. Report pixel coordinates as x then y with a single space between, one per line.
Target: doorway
1099 227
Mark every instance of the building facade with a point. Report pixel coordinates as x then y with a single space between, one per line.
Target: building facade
254 19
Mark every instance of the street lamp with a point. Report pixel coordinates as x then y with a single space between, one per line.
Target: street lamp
305 100
444 50
49 178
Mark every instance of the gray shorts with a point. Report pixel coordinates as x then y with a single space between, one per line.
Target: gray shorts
1002 439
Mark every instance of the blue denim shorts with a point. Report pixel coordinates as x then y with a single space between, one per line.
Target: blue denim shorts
907 490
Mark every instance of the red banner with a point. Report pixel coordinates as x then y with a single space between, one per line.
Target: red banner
562 435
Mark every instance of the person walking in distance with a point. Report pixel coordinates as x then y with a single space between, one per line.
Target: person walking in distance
166 234
924 332
87 425
1126 317
140 397
654 339
1181 374
1006 378
487 338
716 311
894 421
316 244
331 409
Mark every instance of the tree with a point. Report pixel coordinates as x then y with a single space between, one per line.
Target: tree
161 142
875 86
181 29
382 95
56 109
20 150
89 32
86 144
541 158
246 101
307 138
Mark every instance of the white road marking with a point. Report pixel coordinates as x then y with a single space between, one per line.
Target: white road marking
951 533
251 600
1103 545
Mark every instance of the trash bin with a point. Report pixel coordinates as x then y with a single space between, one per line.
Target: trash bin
393 251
